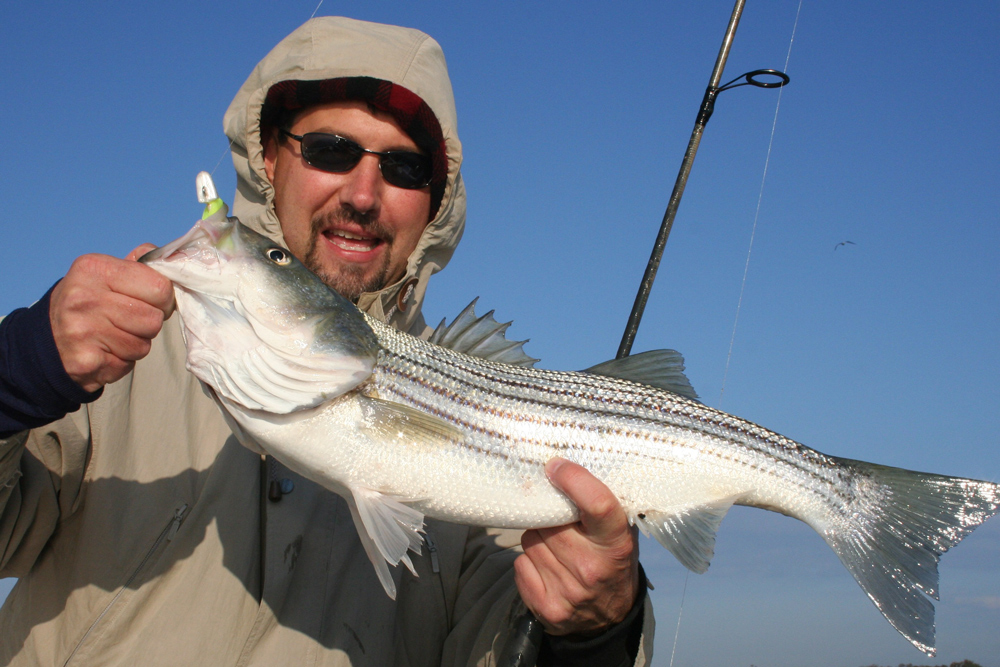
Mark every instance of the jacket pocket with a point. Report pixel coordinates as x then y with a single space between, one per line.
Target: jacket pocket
104 620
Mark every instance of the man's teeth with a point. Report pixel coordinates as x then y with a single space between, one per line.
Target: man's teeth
354 242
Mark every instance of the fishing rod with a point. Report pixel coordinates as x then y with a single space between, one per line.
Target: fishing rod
522 647
704 114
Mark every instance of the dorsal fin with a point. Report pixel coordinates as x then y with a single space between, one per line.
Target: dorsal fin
481 337
657 368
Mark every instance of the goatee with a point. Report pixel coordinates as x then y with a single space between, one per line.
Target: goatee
350 280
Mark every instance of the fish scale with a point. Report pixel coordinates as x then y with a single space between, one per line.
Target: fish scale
565 409
404 428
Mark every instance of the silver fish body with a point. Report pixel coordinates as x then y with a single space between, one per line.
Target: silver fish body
404 428
656 450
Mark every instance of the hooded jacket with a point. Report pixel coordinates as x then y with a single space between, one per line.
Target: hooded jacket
333 48
142 531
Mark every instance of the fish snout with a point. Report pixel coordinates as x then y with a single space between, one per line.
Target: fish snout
205 235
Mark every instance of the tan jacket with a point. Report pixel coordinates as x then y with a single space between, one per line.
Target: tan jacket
141 531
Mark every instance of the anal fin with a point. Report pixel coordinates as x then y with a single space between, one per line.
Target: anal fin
688 532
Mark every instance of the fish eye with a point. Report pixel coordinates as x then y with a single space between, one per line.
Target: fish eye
278 256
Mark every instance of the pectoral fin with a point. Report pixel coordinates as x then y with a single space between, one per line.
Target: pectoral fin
391 422
388 529
688 533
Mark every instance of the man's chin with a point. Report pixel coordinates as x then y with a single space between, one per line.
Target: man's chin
349 280
349 284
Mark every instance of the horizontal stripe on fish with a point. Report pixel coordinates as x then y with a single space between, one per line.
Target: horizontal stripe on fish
421 372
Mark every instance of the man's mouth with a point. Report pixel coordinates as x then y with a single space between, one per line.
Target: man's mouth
350 241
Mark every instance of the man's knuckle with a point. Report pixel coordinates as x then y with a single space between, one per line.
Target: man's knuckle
75 297
150 320
604 507
83 361
591 575
559 613
164 289
622 550
140 348
81 263
76 331
88 264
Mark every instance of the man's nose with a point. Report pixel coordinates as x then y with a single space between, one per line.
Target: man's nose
363 185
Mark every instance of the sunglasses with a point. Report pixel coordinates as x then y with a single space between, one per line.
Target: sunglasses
339 155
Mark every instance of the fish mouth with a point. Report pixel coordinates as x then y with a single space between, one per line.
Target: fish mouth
196 261
200 244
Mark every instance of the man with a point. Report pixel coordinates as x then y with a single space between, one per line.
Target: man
144 533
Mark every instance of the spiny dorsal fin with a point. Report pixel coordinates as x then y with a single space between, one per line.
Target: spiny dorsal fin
481 337
657 368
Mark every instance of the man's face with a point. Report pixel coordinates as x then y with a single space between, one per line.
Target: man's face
353 230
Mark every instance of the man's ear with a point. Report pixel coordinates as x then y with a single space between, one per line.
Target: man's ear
270 144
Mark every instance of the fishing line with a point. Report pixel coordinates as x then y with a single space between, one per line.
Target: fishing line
680 612
226 152
229 148
760 198
746 268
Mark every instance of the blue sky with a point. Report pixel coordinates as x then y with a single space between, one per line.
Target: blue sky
574 117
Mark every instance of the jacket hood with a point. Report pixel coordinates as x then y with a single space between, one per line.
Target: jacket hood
333 48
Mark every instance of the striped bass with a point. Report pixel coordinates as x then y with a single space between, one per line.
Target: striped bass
405 428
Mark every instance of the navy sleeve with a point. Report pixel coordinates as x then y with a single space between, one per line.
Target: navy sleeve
617 647
34 387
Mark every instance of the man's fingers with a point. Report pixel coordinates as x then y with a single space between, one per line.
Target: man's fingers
104 314
163 301
139 252
140 282
529 581
601 515
583 577
546 586
109 368
125 344
135 317
541 546
103 272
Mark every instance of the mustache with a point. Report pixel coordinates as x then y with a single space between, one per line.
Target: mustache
345 214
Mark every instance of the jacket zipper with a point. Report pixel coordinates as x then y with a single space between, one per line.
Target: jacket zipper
432 548
168 533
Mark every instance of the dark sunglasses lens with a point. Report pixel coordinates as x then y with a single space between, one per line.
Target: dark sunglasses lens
338 155
330 152
406 170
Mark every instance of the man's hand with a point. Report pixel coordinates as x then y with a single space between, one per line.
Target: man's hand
581 578
104 315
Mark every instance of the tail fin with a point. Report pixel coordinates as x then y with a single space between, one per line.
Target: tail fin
894 527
